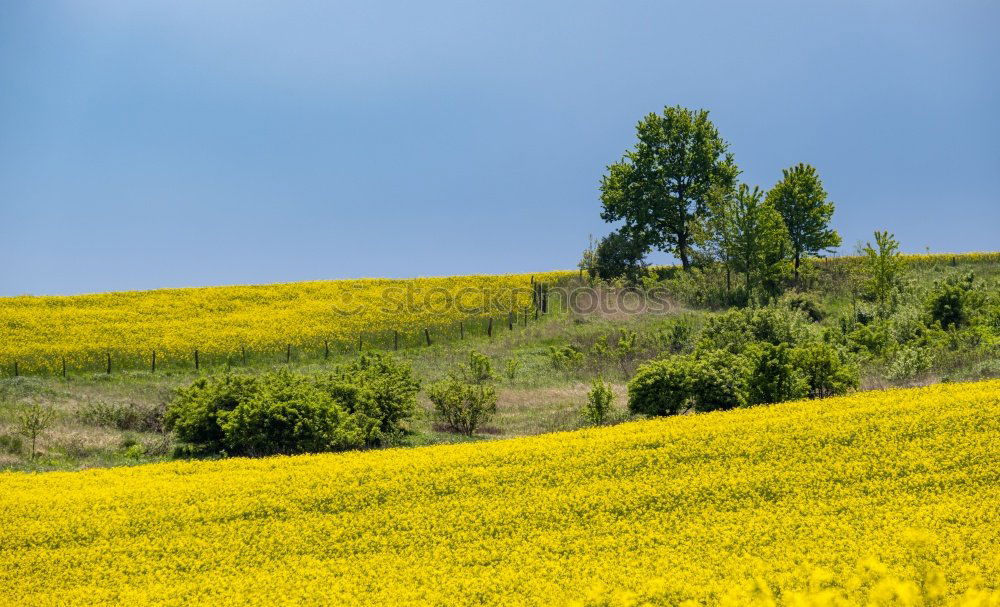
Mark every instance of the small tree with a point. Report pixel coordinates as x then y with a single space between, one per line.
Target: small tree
882 268
774 378
32 420
599 401
660 187
952 301
759 239
801 200
464 407
619 255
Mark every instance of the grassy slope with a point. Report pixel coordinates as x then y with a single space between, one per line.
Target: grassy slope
789 497
539 399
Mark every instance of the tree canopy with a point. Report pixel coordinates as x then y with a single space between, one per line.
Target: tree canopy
801 200
660 188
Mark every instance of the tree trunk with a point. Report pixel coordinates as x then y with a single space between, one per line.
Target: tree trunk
796 268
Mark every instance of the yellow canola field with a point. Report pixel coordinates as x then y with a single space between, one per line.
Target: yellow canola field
38 332
881 498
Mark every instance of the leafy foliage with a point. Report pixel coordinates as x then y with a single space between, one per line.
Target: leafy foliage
801 200
660 187
599 401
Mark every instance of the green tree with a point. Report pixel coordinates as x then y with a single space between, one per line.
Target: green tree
801 200
660 187
882 269
759 240
618 254
31 421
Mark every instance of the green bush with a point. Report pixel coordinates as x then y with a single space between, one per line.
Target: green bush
736 329
286 414
194 414
774 377
953 301
599 401
364 403
565 358
719 381
122 416
662 387
826 370
807 303
463 406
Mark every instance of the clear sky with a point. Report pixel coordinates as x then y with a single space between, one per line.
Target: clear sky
152 144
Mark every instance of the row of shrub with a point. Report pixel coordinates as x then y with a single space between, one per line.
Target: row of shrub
745 357
362 404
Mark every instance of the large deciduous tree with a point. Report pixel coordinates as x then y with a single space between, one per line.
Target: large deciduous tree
801 200
660 188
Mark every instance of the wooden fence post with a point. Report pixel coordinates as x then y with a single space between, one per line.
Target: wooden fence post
152 368
109 363
510 321
461 329
326 349
64 367
243 354
526 317
395 340
288 354
489 328
427 334
197 363
16 371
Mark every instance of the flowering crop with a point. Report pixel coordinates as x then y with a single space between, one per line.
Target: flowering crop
877 498
38 332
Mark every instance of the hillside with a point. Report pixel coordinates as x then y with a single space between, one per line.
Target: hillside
872 496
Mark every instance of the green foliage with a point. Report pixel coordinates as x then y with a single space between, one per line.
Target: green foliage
882 270
463 406
511 368
286 414
719 381
827 372
662 387
774 377
566 357
32 420
660 187
910 362
11 444
478 370
759 242
801 200
599 401
619 255
734 330
807 303
364 403
953 301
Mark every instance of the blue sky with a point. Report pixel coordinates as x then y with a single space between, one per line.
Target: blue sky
154 144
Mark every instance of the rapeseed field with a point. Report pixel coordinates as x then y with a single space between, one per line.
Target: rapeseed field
878 498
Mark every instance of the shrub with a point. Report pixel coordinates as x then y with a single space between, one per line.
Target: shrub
774 377
736 329
826 371
662 387
951 302
463 406
195 412
565 358
478 370
807 303
909 362
380 393
511 367
286 414
599 401
11 444
719 381
364 403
